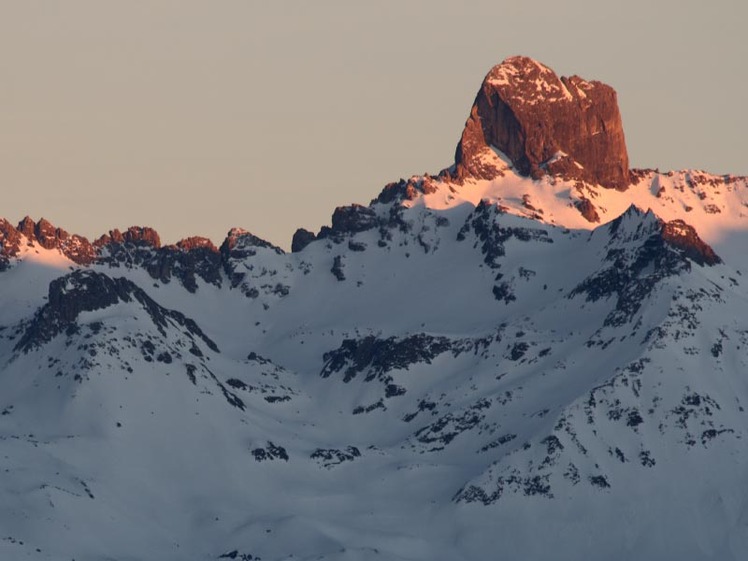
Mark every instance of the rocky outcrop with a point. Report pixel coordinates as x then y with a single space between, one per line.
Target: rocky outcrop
676 236
350 219
545 125
236 248
587 210
135 235
376 357
196 242
241 243
76 248
86 291
10 243
301 239
407 189
641 251
27 227
47 235
684 238
188 260
353 219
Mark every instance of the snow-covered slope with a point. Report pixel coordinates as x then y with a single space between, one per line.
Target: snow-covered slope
715 205
463 369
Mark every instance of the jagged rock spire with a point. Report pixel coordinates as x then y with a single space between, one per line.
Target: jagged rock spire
545 125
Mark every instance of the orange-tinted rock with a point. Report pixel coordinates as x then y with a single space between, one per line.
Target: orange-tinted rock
683 236
46 234
76 248
588 210
10 243
545 125
142 236
27 227
196 242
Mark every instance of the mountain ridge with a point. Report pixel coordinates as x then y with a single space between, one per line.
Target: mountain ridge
464 368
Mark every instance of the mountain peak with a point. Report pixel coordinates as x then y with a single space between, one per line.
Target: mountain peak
525 73
545 125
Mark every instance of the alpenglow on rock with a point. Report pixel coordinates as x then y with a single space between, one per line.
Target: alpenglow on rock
545 125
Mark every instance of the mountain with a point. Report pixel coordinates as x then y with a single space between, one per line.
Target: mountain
535 353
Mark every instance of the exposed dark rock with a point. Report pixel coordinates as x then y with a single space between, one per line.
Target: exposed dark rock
503 293
406 190
676 234
236 384
270 452
27 227
330 457
164 357
503 439
234 554
369 408
85 291
599 481
337 268
646 459
301 239
353 219
393 390
485 222
136 235
238 246
513 482
588 210
187 260
76 248
356 246
114 236
545 125
47 235
10 243
684 237
423 405
446 428
379 356
196 242
518 350
640 241
142 236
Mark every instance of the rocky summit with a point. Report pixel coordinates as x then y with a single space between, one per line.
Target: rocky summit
545 125
536 353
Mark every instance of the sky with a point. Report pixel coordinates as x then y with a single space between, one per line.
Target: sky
193 117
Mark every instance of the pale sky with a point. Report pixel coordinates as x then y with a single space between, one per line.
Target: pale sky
195 116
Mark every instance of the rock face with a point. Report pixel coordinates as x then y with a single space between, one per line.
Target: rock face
683 237
86 291
76 248
545 125
10 243
136 235
301 239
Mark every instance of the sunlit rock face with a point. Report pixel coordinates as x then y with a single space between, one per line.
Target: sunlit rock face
545 125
